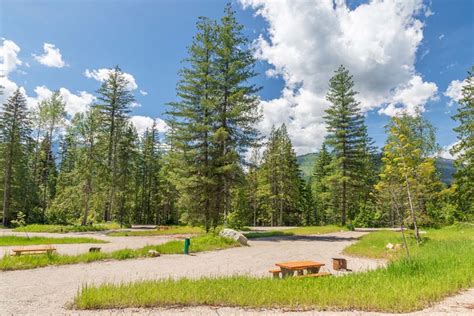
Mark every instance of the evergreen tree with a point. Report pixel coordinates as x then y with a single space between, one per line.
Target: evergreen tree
346 136
464 149
191 120
280 191
148 181
237 104
14 134
320 186
126 169
51 117
47 176
114 103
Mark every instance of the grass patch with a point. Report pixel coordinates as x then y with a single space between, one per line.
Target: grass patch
198 244
39 228
169 230
441 267
305 230
315 230
273 233
374 244
24 241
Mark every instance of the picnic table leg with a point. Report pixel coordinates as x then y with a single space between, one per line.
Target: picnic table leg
285 273
300 272
313 270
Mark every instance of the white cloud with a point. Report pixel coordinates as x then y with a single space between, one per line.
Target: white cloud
445 152
411 97
141 123
441 37
52 56
454 91
9 61
103 73
74 103
9 57
377 42
143 92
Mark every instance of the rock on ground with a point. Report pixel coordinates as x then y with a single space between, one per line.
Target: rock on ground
235 235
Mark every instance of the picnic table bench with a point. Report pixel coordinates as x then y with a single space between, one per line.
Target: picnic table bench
33 250
300 267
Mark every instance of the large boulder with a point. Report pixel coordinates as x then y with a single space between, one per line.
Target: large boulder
235 235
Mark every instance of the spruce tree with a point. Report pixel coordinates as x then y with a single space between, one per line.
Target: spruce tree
191 120
319 184
464 149
114 105
345 126
237 104
14 134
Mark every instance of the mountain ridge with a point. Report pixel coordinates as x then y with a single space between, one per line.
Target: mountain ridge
444 166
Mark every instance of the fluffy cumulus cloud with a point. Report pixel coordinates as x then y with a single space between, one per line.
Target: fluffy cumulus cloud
141 123
51 57
9 61
445 152
103 73
74 103
454 91
307 40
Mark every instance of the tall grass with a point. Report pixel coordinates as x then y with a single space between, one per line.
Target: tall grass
442 267
24 241
39 228
198 244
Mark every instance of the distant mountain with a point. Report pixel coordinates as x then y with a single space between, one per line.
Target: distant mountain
445 167
306 163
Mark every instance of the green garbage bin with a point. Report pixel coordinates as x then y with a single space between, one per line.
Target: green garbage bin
187 244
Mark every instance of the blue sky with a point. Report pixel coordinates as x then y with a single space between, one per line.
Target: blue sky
148 40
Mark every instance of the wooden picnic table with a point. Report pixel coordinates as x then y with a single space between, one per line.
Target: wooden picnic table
289 268
33 250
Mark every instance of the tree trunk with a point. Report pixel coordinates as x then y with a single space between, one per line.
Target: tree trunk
412 210
402 228
7 188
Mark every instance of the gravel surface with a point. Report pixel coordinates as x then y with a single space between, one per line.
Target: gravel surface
47 291
114 243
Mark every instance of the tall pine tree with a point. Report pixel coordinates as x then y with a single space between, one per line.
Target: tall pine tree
14 134
346 136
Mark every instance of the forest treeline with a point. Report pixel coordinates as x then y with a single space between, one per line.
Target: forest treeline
212 167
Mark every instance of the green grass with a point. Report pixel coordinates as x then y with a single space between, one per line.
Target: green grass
305 230
315 230
169 230
272 233
24 241
441 267
198 244
39 228
374 245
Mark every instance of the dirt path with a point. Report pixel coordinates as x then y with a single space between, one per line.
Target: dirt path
47 290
